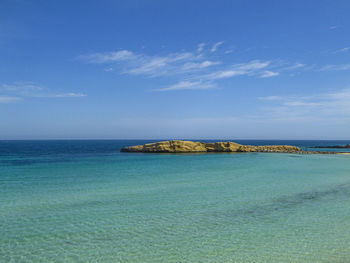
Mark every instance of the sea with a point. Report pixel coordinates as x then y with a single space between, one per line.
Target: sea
85 201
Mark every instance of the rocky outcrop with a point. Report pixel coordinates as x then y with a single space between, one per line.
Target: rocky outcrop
270 148
347 146
167 147
222 147
176 146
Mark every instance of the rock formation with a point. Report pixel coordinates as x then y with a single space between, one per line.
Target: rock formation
347 146
176 146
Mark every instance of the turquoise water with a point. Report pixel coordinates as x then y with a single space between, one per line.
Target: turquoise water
86 202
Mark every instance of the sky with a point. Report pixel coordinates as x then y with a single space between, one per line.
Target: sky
184 69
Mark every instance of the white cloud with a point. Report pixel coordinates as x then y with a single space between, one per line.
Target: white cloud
253 65
21 86
216 45
251 68
293 67
333 105
225 74
188 85
336 67
271 98
21 90
200 47
142 64
269 74
8 99
323 115
190 66
345 49
158 65
301 103
199 65
339 95
66 95
122 55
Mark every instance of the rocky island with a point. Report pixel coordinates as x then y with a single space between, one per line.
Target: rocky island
347 146
177 146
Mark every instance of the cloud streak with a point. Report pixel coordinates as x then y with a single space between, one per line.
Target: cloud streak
340 67
345 49
188 85
142 64
21 90
328 105
200 47
188 68
106 57
269 74
216 45
251 68
8 99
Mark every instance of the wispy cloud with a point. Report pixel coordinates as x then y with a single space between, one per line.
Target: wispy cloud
345 49
8 99
23 89
331 105
271 98
156 66
20 90
142 64
189 85
62 95
223 74
198 66
117 56
216 45
336 67
269 74
324 115
301 103
200 47
293 67
251 68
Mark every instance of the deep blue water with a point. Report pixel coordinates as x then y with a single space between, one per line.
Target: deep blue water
86 147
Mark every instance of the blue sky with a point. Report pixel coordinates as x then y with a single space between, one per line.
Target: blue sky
132 69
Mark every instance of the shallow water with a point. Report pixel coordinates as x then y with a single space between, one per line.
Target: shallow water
83 201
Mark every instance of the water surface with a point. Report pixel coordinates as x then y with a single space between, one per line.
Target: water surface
84 201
